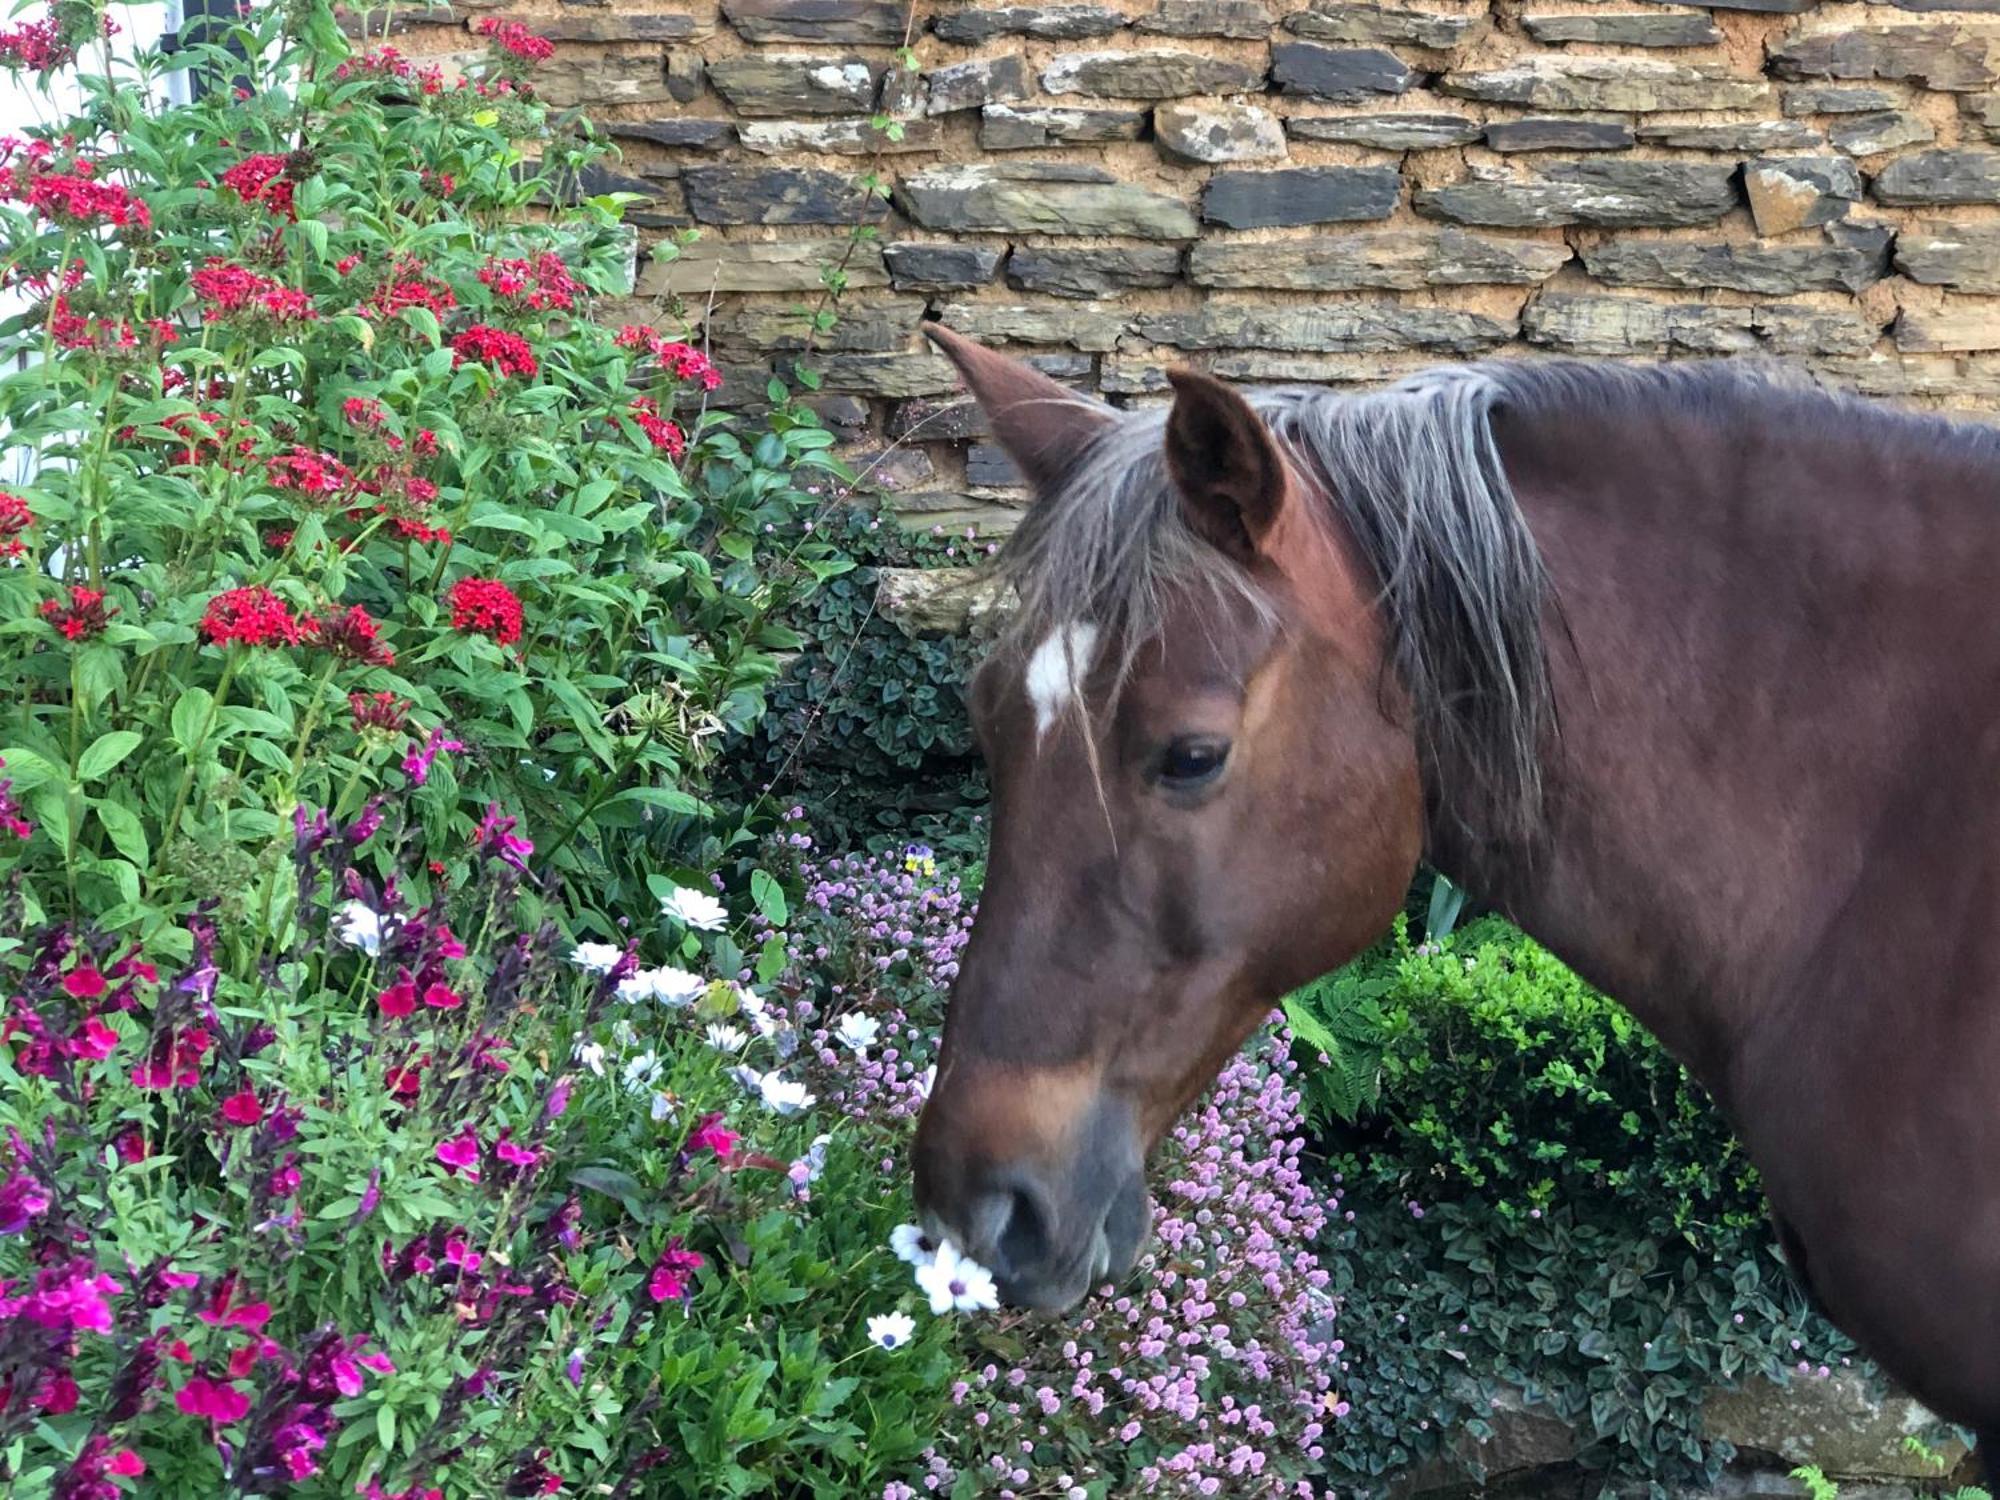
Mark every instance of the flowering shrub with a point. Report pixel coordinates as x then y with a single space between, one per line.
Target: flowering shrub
1541 1202
330 450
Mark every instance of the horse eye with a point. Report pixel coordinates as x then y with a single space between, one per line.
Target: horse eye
1190 762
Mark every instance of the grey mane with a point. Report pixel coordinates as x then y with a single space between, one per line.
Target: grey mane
1414 474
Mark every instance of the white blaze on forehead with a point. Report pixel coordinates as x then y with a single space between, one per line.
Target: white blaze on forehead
1058 668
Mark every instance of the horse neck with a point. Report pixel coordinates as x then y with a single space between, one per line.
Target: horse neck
1771 631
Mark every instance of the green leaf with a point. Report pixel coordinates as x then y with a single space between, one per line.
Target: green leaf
769 896
27 770
191 714
105 753
126 831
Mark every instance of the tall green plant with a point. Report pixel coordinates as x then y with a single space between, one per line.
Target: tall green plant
333 465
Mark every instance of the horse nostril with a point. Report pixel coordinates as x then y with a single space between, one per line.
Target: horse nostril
1024 1241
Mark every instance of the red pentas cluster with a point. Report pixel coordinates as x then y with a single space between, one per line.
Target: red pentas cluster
75 199
308 473
227 289
251 616
538 284
15 519
507 353
262 180
660 432
351 635
36 47
409 284
682 361
486 606
516 40
80 614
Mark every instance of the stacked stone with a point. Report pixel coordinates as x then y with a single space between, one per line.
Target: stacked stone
1299 190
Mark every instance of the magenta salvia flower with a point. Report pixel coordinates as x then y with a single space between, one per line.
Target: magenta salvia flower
69 1297
495 838
460 1154
22 1200
672 1271
417 764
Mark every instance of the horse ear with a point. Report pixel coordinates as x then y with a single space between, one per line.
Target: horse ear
1042 425
1223 464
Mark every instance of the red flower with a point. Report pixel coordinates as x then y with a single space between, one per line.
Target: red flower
175 1061
84 982
85 615
36 47
75 198
261 179
254 616
218 1402
508 353
665 436
400 998
243 1107
224 1311
381 711
682 361
410 286
351 635
543 282
364 411
15 518
308 472
486 606
226 289
514 38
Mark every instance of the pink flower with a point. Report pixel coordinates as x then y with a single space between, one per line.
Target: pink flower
496 839
460 1154
400 998
223 1312
243 1107
442 997
671 1272
710 1135
515 1155
417 764
93 1041
212 1399
22 1200
83 982
69 1296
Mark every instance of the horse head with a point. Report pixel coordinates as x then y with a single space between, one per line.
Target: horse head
1205 792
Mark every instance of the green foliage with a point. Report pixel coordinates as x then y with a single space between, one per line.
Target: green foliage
1544 1204
363 375
868 725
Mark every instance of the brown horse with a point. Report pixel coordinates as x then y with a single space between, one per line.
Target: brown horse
1692 672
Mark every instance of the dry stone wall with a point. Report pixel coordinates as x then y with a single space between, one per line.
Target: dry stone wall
1300 190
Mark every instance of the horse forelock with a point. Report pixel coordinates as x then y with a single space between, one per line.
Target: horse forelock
1413 477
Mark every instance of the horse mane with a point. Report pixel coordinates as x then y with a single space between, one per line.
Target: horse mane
1412 473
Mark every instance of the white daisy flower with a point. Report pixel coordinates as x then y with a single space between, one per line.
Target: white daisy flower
359 926
857 1031
596 958
676 987
891 1330
663 1107
694 909
783 1095
726 1038
955 1283
591 1055
911 1244
641 1071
